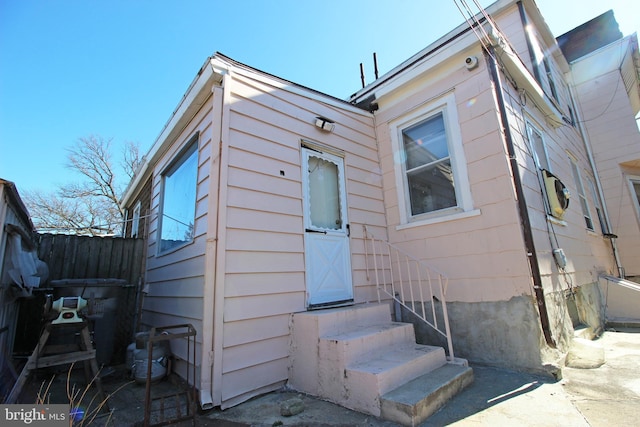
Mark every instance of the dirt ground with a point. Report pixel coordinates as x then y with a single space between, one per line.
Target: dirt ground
126 401
124 397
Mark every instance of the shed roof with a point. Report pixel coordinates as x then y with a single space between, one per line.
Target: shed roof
14 196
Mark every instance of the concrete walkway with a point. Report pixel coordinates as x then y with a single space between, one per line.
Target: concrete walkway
605 396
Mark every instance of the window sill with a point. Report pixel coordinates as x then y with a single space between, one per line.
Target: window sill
439 219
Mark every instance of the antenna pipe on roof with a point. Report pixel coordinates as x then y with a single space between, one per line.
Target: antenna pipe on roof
375 65
362 74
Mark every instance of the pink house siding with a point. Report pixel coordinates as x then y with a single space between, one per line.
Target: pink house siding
589 252
614 138
175 280
244 274
264 267
450 244
482 251
239 284
481 254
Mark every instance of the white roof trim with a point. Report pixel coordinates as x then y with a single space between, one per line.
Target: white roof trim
441 56
391 78
288 86
523 78
192 100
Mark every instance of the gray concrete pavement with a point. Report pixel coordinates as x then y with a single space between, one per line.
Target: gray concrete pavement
605 396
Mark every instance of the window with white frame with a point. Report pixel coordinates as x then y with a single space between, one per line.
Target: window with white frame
634 182
178 202
598 205
581 194
550 80
135 221
538 147
539 153
545 70
431 172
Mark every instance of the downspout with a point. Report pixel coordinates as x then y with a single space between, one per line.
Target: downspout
210 300
596 175
221 243
522 204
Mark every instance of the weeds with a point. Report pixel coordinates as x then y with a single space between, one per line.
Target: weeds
43 393
81 413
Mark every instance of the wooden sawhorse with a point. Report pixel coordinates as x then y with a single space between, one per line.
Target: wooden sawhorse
40 359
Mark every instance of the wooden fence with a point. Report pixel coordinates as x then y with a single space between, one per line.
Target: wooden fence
85 257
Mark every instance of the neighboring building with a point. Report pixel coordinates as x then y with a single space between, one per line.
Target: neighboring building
20 270
136 220
605 70
464 156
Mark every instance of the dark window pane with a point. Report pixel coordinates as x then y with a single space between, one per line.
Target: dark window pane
428 166
179 201
432 188
425 142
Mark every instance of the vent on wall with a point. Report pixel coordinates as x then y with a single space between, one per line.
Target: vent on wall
557 194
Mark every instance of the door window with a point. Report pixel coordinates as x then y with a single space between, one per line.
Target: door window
324 194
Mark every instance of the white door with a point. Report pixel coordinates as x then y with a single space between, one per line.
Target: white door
326 237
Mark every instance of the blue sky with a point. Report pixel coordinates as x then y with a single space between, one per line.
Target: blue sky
115 68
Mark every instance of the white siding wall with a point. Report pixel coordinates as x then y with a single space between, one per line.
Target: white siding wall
265 277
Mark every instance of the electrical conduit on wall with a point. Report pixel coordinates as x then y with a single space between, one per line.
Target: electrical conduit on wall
522 204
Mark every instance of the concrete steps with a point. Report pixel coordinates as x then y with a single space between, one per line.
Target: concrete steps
413 402
367 339
384 372
354 356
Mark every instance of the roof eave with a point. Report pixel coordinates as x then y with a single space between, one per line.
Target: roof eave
524 79
195 96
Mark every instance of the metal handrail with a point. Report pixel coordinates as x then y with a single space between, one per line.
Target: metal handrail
402 276
623 283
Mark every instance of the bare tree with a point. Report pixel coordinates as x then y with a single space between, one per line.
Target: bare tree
92 205
131 158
